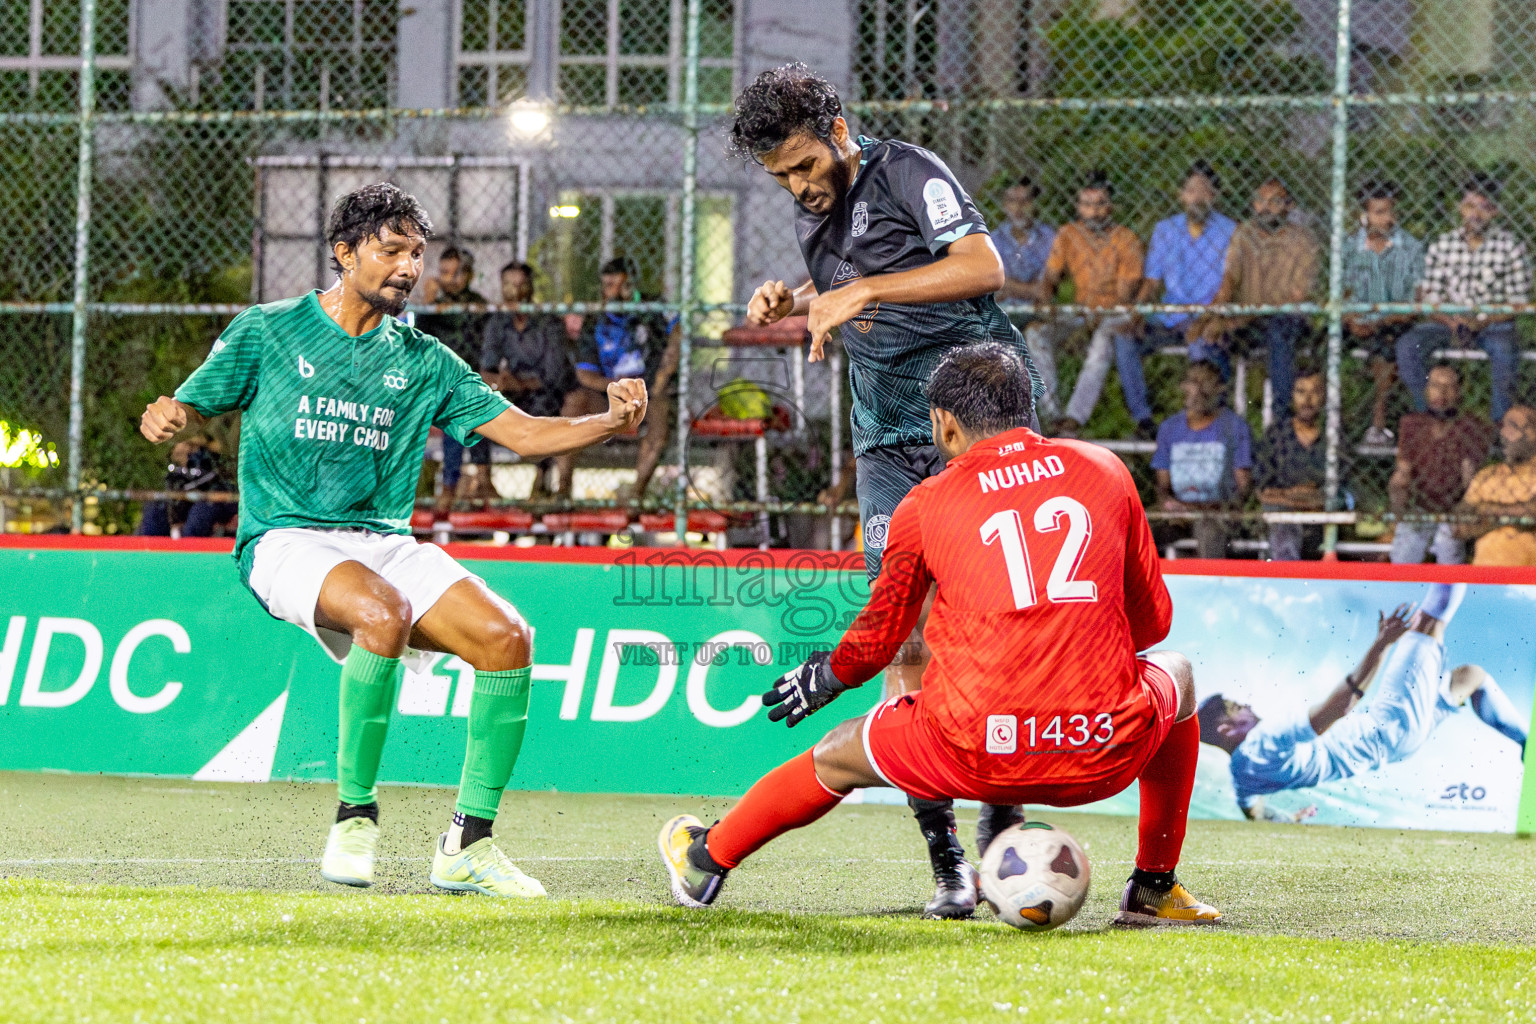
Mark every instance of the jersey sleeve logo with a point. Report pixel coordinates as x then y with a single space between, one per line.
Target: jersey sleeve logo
943 207
860 219
396 379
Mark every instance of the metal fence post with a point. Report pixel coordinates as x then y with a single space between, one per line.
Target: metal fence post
1337 208
82 261
1337 202
686 264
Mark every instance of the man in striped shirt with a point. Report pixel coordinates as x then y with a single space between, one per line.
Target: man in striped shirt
1382 263
1474 265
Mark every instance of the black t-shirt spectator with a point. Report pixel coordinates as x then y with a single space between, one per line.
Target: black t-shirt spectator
1285 462
537 350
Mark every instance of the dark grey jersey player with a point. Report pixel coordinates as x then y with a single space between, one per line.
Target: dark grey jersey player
901 261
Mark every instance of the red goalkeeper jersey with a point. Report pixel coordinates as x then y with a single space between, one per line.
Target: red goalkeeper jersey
1048 586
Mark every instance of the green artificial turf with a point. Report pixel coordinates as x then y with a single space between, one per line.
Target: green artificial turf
151 900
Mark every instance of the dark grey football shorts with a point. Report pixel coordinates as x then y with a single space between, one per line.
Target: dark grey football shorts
884 476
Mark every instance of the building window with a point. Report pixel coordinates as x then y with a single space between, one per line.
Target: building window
492 52
630 52
305 55
40 54
588 227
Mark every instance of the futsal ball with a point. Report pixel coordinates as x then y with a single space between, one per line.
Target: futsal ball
1035 877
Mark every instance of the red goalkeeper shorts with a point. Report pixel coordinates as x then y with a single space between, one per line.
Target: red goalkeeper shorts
910 754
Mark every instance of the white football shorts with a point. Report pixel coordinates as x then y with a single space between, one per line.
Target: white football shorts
290 566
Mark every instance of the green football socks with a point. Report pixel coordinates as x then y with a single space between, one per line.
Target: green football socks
368 685
498 714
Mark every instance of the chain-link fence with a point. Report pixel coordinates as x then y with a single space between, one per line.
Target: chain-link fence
1298 174
1324 202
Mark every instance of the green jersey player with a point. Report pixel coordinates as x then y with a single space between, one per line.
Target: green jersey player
338 396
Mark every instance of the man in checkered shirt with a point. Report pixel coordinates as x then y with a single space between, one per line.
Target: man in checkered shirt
1474 265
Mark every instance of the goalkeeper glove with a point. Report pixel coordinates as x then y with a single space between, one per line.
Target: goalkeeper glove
803 690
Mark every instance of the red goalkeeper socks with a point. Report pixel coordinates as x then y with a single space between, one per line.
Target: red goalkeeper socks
790 796
1166 783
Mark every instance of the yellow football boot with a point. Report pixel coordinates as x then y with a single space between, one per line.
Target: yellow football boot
1145 907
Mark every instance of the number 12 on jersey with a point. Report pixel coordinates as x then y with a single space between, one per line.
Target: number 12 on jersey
1007 529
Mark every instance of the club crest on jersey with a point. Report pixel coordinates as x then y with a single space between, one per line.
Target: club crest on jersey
394 378
845 272
860 219
875 531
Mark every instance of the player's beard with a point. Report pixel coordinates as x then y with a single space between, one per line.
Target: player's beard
839 182
390 299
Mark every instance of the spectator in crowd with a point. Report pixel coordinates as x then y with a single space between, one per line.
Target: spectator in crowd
1184 267
525 355
1475 264
1204 458
1382 263
615 345
1023 242
1271 261
1103 259
1292 467
1438 451
194 467
461 332
1506 488
451 287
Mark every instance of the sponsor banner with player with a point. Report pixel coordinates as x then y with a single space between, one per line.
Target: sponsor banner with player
1412 754
648 667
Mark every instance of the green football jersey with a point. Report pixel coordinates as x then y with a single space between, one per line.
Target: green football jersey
334 427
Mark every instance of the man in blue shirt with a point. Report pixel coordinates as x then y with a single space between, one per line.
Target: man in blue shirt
1023 242
1327 742
1184 267
1204 457
616 345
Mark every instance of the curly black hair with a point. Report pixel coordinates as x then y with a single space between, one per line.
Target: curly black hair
781 103
362 213
985 386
